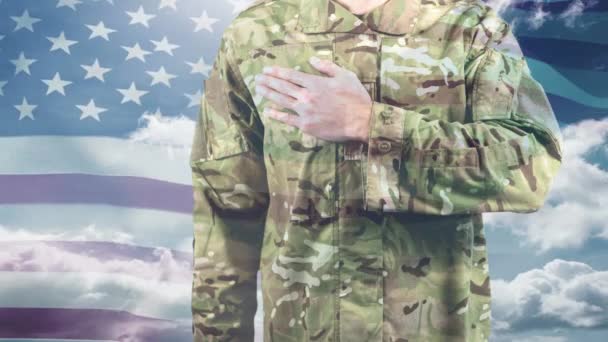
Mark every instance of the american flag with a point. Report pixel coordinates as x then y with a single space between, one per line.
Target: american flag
98 100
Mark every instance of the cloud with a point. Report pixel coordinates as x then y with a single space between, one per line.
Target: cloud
533 338
163 130
43 256
151 152
575 10
93 222
575 208
563 294
115 291
538 16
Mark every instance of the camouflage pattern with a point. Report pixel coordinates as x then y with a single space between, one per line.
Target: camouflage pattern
376 241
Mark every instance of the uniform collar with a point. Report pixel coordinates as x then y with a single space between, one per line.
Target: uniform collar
393 17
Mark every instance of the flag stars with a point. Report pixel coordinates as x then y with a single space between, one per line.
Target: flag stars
168 3
2 84
68 3
22 64
100 30
200 67
161 76
62 43
136 52
95 70
203 22
25 21
140 17
25 109
56 84
195 99
164 45
90 110
132 94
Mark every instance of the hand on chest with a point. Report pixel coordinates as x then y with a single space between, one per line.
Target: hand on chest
417 73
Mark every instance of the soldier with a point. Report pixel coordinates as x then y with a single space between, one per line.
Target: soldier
347 150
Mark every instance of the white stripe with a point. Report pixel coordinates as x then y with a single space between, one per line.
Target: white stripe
95 155
91 290
86 222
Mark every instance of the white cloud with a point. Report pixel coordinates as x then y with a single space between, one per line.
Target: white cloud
533 338
575 10
159 299
538 17
150 152
165 131
563 294
94 222
575 208
42 256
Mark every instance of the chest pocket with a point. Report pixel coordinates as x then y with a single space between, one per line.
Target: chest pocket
424 74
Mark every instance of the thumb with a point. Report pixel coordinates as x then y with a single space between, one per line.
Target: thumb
324 65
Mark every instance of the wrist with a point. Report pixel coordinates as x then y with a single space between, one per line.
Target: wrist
365 127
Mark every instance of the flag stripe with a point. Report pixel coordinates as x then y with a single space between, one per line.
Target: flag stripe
93 222
106 156
92 324
91 256
109 291
126 191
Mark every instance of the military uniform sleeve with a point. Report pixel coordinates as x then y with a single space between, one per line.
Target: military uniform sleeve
230 203
503 159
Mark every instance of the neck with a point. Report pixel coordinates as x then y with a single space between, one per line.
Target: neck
360 6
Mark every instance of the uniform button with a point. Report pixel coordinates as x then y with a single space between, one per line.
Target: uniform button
384 146
329 188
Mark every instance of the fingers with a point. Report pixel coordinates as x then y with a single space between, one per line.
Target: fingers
294 76
290 119
326 66
275 96
279 85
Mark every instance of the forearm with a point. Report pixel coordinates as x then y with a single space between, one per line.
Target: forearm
229 227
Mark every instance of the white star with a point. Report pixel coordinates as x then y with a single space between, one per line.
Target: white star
140 17
100 30
203 22
136 52
239 5
61 43
22 64
161 76
25 21
195 99
95 70
90 110
200 67
164 45
25 109
167 3
111 2
69 3
2 84
56 84
131 94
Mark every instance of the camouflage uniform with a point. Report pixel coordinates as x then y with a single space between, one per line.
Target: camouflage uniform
376 241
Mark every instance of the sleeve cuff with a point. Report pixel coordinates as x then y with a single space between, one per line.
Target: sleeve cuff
391 129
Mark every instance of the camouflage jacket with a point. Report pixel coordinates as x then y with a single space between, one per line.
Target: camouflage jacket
376 241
